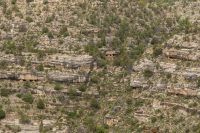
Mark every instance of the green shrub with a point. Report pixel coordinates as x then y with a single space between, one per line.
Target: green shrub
19 95
123 30
157 50
3 64
40 55
90 123
64 31
82 88
92 49
14 128
58 87
28 1
50 19
100 129
101 62
198 82
147 73
94 104
2 114
13 2
45 30
27 85
24 119
129 101
95 79
40 104
22 28
40 67
153 119
45 2
168 75
72 114
4 92
9 47
50 35
29 19
185 25
28 98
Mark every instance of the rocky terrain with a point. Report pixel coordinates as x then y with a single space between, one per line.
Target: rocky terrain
99 66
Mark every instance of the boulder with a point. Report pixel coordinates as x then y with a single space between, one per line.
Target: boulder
183 54
80 60
183 89
8 75
190 41
161 85
191 73
139 83
144 64
30 77
168 67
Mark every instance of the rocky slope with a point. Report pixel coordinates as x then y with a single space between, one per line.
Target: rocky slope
81 66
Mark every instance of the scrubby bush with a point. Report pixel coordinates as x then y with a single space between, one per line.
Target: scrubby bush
14 128
50 19
28 1
100 129
13 2
2 114
198 82
45 2
50 35
95 79
4 92
40 104
40 67
82 88
58 87
28 98
40 55
185 25
29 19
157 50
27 85
147 73
22 28
3 64
64 31
9 47
45 30
90 123
94 104
92 49
24 119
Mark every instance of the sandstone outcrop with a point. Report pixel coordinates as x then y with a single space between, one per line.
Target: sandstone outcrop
183 54
144 64
139 83
65 77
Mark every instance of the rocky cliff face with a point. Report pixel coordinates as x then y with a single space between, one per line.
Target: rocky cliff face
98 66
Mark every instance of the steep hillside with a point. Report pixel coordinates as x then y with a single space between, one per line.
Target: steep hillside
98 66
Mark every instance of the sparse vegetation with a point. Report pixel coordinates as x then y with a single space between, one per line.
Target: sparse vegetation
99 66
5 92
58 87
147 73
24 119
27 85
2 114
40 104
28 98
94 104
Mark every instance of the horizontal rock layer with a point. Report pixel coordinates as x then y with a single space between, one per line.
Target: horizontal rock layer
52 76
